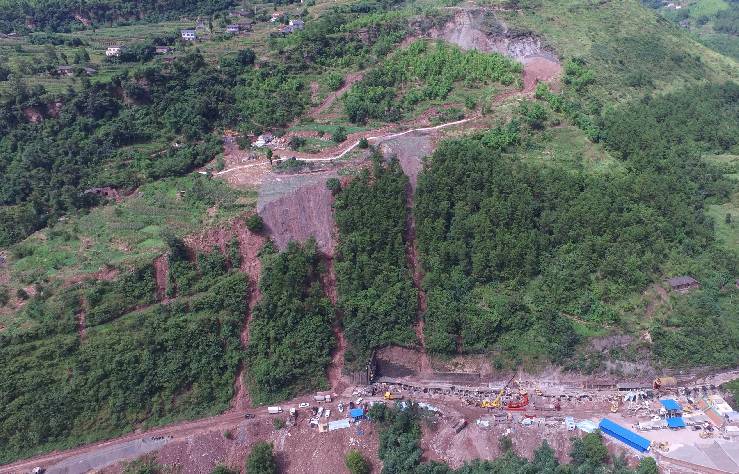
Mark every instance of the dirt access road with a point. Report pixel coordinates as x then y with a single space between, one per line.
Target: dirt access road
120 449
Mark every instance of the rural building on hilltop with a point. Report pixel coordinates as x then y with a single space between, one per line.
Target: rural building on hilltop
294 25
683 284
162 49
65 70
233 28
188 35
113 51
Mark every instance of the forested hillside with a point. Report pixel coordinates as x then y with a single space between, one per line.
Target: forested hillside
493 229
98 136
135 281
70 15
376 293
290 338
149 364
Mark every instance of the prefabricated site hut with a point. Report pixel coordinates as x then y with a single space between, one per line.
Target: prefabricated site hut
356 414
672 407
624 435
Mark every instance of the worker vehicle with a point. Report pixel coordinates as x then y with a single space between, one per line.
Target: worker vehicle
327 413
392 396
304 405
274 410
248 416
538 392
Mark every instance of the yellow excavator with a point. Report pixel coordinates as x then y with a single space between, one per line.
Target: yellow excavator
497 403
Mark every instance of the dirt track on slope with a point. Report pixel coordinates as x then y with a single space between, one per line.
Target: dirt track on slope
331 98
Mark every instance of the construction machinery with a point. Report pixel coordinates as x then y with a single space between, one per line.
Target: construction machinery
615 404
392 396
498 401
519 405
663 383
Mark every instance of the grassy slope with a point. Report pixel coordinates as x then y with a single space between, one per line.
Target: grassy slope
606 33
601 34
119 235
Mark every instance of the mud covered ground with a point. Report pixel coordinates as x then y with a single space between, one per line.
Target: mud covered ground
299 449
300 213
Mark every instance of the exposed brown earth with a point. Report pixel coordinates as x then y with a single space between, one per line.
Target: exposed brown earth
161 277
302 214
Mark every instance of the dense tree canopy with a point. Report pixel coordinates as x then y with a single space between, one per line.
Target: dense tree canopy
290 337
96 138
376 292
162 362
67 15
574 241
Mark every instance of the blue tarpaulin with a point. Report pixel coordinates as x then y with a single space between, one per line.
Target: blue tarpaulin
624 435
670 404
356 413
676 422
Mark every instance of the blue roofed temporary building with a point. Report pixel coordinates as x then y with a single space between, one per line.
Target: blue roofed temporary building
676 422
672 408
356 413
671 405
624 435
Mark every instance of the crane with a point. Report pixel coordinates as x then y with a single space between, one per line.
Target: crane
497 403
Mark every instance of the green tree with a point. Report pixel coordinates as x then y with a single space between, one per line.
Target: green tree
222 470
356 463
589 451
647 466
339 135
505 444
255 223
261 459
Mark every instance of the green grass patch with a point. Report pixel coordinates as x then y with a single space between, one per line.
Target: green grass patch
126 234
707 8
566 146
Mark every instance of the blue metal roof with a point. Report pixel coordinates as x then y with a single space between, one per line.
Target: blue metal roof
624 435
671 404
356 413
676 422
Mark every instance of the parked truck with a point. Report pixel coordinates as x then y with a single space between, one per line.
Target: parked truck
274 410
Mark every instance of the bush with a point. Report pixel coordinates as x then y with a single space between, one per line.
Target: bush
356 463
363 143
4 296
296 142
261 459
278 423
333 185
339 135
255 223
334 81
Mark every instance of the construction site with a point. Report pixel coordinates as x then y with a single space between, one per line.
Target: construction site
685 423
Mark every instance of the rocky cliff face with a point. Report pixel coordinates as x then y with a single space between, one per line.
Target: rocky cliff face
480 30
